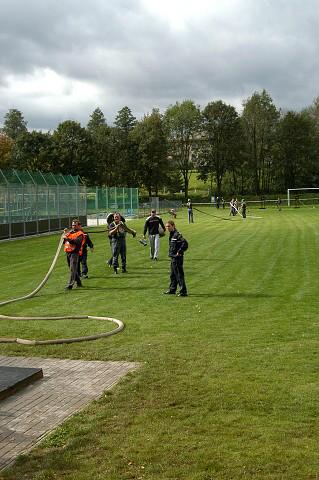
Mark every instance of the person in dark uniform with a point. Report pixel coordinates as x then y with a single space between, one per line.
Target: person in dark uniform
73 241
117 233
190 211
177 246
87 242
243 208
152 226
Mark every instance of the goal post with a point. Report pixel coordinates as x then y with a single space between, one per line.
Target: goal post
291 190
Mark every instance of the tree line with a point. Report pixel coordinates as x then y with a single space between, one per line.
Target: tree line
260 151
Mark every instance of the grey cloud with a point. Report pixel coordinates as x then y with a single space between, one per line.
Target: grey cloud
136 59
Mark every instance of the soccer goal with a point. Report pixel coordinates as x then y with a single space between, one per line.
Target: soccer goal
298 197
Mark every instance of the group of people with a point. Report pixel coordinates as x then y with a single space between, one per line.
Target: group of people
219 201
76 241
236 208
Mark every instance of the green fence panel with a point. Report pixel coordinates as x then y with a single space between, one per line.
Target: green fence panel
36 202
103 200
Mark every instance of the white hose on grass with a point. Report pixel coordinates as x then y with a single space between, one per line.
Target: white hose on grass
24 341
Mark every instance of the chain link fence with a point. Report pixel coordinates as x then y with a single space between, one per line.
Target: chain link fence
103 200
36 202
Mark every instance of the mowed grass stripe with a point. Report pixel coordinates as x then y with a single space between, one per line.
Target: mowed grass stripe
228 381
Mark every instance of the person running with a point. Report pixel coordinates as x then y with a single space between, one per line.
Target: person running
190 211
154 226
177 247
117 233
73 242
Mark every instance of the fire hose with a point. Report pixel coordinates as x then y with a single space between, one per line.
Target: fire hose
119 323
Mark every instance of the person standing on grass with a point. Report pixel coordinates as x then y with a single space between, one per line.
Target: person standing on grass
73 243
153 225
190 211
117 233
87 242
109 220
232 207
172 211
177 246
243 208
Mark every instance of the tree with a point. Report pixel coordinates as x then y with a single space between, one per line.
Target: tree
34 151
174 182
313 111
103 148
96 121
296 151
73 151
221 132
14 124
149 135
259 120
5 150
182 122
125 120
126 149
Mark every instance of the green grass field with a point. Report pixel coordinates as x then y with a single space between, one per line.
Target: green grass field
228 381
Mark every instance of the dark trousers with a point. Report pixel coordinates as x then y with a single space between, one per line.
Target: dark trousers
190 216
119 248
83 263
110 260
177 275
73 261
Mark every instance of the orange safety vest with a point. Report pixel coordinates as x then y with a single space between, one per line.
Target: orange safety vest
70 247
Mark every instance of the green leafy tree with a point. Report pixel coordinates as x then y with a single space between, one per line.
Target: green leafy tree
34 151
150 138
182 122
103 145
73 151
6 145
14 124
97 120
259 119
296 151
174 181
220 145
313 111
125 149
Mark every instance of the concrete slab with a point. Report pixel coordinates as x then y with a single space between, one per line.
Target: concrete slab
13 379
67 387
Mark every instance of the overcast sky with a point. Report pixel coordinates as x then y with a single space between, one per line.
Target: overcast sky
60 60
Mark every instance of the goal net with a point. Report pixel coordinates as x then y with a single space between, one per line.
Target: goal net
298 197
